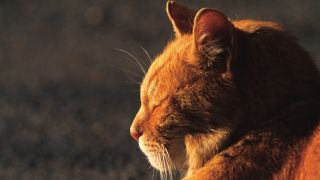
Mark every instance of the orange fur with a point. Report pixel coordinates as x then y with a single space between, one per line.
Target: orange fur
310 163
230 100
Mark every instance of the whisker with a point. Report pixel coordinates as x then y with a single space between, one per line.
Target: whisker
133 62
153 177
132 73
162 172
170 165
159 160
165 164
146 52
129 75
134 58
130 82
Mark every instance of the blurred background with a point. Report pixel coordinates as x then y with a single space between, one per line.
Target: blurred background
67 96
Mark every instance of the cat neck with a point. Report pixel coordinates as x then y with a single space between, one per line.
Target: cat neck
295 122
201 147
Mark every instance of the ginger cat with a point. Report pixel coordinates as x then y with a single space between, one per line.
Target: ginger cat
230 100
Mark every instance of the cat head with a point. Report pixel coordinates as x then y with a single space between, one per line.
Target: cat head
187 87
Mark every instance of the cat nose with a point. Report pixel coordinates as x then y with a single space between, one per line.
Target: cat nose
135 135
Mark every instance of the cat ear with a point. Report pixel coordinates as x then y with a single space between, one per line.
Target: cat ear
181 18
213 36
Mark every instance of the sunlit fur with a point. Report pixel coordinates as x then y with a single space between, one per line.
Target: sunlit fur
253 123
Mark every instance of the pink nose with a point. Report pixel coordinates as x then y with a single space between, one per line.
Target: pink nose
135 135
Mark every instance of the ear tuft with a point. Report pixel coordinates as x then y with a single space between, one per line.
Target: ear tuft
181 18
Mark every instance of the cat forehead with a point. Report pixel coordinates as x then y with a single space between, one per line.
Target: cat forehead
179 46
172 57
168 66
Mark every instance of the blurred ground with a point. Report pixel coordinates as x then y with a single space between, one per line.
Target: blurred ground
67 97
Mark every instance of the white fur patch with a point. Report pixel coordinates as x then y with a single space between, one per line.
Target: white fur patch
158 157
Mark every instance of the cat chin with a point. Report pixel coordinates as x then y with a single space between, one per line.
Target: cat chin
157 154
158 163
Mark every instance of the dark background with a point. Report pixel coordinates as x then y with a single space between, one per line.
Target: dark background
67 97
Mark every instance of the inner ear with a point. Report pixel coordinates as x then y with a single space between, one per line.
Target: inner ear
213 37
181 17
212 26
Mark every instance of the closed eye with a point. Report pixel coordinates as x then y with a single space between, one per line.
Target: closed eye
159 103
